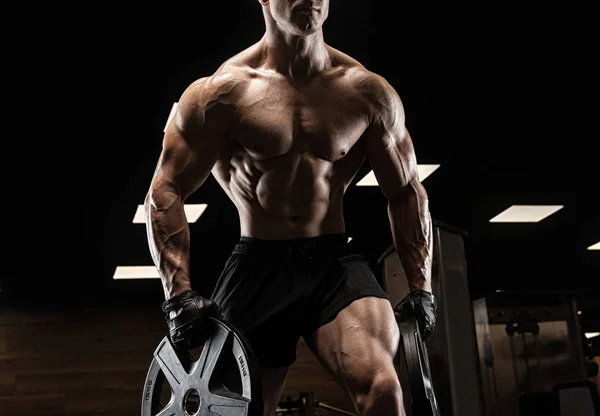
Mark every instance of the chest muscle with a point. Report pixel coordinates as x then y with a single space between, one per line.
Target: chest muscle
273 120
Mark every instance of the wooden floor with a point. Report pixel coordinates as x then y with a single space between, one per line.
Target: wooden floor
93 361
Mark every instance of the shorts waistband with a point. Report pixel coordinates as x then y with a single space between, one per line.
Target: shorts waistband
322 243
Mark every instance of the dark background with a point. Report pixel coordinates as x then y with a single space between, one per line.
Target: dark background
499 97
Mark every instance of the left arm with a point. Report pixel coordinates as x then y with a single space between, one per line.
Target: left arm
391 154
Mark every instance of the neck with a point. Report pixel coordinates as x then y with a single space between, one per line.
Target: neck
295 56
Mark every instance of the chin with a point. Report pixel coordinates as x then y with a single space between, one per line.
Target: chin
306 25
307 29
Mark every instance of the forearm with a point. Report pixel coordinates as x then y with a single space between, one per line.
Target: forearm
168 237
411 228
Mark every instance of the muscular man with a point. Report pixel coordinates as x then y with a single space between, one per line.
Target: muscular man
284 126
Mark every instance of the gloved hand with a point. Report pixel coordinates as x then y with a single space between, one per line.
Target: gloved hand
421 305
190 327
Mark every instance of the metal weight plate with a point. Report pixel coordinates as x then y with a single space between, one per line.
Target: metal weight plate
415 356
200 384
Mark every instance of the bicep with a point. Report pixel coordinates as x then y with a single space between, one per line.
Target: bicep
390 152
192 142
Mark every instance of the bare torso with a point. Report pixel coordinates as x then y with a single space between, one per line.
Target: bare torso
293 146
284 134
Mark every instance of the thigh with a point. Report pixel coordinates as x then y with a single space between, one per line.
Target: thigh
359 343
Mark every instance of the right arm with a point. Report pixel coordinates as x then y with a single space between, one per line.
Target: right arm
192 144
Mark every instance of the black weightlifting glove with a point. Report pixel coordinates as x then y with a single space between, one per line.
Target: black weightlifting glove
190 328
419 304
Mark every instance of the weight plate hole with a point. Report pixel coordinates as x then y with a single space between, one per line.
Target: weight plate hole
191 402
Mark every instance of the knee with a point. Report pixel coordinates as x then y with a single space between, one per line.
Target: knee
386 386
384 396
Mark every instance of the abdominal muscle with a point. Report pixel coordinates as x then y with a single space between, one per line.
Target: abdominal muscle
292 196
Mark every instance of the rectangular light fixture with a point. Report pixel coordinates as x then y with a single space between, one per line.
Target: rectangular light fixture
594 246
368 180
526 213
426 170
192 213
136 272
422 170
589 335
171 115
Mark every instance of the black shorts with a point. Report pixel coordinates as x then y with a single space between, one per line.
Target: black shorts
275 291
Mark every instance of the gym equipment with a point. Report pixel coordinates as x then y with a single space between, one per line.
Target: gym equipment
223 381
529 343
577 398
416 361
452 348
306 405
205 387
